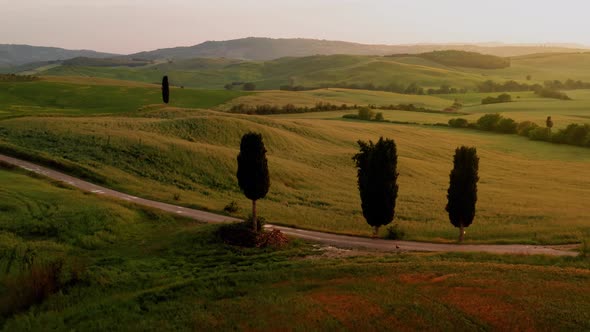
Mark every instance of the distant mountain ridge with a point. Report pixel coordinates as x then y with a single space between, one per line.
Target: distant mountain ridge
261 49
14 55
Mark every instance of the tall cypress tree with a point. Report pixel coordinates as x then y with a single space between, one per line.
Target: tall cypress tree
377 181
165 90
462 193
252 174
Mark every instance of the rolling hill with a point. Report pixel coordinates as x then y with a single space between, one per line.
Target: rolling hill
268 49
14 55
428 70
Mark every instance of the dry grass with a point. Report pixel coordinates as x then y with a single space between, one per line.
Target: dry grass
338 97
529 191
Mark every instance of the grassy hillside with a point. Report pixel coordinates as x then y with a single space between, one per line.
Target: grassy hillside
464 59
338 97
14 55
542 67
187 156
309 71
75 96
128 268
428 70
168 153
269 49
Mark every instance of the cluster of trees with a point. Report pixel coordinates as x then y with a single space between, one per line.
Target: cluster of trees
573 134
508 86
17 78
489 122
377 183
467 59
445 89
549 93
503 98
405 107
249 86
267 109
411 89
567 85
367 114
513 86
377 176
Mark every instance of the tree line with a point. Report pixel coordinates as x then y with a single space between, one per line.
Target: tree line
513 86
377 177
573 134
547 88
17 78
267 109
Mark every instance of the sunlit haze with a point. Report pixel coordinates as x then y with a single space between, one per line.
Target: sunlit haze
126 26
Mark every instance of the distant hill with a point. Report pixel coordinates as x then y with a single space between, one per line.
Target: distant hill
429 70
268 49
463 59
15 55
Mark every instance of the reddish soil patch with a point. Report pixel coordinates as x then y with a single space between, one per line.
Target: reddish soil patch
487 305
352 311
418 278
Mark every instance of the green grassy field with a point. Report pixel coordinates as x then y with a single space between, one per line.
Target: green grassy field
76 96
161 153
316 71
188 156
139 269
337 97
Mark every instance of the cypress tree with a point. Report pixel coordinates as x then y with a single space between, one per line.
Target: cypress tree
377 181
462 193
165 90
252 174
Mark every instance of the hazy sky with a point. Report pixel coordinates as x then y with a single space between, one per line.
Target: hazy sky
126 26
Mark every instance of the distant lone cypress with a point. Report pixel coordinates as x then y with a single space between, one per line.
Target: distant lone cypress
462 193
165 90
252 174
377 181
549 122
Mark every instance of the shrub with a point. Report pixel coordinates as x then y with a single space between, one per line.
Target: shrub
238 234
249 87
540 134
350 116
379 117
507 126
272 239
261 221
575 134
525 127
489 122
365 114
242 235
35 283
549 93
394 232
458 123
503 98
232 207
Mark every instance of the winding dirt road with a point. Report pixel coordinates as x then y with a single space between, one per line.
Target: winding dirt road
341 241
